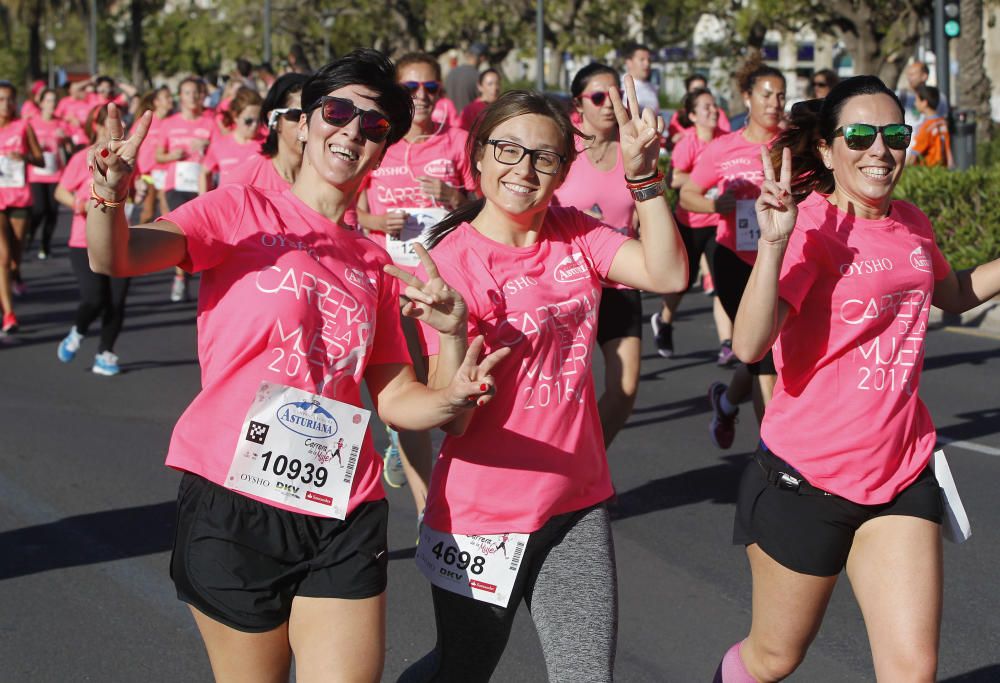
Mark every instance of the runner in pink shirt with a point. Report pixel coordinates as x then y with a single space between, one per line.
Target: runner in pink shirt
229 153
697 229
489 86
843 284
593 186
725 181
422 177
516 504
680 121
100 295
30 108
18 149
182 143
151 173
277 537
54 140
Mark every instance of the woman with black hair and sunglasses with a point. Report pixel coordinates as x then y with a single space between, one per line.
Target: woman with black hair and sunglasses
280 155
281 543
240 143
422 177
843 283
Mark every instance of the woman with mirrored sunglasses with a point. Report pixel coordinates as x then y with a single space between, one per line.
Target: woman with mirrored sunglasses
239 144
842 287
422 177
281 528
516 508
592 186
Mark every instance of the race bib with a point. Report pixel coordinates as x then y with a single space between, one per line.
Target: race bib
418 222
299 449
481 567
51 166
955 526
159 176
11 172
186 174
747 229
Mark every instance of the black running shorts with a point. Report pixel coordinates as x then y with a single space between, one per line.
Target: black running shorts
731 277
619 315
241 561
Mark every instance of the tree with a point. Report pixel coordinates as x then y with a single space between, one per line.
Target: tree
974 86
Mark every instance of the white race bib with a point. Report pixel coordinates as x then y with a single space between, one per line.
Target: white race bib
955 526
481 567
747 228
159 176
186 175
299 449
51 166
418 222
11 172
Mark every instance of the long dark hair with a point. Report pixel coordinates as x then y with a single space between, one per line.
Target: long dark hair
583 76
511 104
814 121
689 102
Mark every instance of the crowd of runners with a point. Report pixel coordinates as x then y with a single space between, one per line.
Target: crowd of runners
463 251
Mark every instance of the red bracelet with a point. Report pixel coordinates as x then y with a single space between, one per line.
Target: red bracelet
638 185
101 201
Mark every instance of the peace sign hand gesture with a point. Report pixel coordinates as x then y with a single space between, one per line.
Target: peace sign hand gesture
473 384
112 158
433 302
638 132
776 210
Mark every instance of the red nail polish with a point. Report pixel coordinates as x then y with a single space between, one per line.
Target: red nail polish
105 152
483 387
481 402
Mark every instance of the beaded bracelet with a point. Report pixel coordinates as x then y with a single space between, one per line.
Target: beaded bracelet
645 182
633 181
101 201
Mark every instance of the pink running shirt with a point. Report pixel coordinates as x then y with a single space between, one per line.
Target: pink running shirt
146 161
845 411
286 296
30 110
260 172
51 136
731 162
178 132
227 156
14 140
74 111
469 114
76 178
536 449
600 192
683 159
674 126
444 111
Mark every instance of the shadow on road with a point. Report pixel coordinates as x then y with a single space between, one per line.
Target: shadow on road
87 539
978 423
966 358
988 674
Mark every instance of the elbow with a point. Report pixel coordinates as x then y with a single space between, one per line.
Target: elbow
748 350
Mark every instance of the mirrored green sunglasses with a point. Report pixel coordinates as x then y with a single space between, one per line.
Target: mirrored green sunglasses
861 136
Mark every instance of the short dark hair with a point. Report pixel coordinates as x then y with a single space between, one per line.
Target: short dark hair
692 78
278 97
370 68
583 76
104 79
629 50
484 73
244 67
929 94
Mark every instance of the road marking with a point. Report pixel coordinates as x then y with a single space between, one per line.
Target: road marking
968 445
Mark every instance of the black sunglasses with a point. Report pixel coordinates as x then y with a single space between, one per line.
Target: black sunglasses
430 87
861 136
542 160
338 111
249 121
287 113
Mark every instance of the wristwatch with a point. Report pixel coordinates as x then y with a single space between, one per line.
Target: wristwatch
648 192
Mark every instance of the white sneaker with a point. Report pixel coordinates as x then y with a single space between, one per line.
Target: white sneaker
69 346
106 363
392 462
179 290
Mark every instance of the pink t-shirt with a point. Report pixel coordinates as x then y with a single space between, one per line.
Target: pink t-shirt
30 110
226 156
536 449
845 411
14 140
675 127
178 132
600 192
146 161
260 172
469 114
76 179
444 110
731 162
683 159
74 111
286 296
51 136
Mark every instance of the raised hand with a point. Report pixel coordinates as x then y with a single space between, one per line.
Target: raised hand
433 302
638 133
112 158
776 210
473 383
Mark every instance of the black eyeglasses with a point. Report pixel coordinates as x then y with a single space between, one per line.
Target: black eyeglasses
861 136
430 87
288 113
338 111
542 160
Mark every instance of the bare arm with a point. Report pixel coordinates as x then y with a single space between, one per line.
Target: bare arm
965 289
34 155
391 223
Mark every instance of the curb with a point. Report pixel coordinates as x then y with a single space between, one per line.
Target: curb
984 318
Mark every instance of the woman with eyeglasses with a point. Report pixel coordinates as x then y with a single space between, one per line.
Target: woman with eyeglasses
822 82
593 186
277 165
516 508
281 542
230 152
841 478
725 181
422 177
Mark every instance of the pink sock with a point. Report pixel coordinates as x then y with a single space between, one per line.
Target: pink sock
731 669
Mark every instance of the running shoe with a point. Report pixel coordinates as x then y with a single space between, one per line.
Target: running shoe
392 461
723 427
726 356
663 333
9 323
179 290
42 255
69 346
106 363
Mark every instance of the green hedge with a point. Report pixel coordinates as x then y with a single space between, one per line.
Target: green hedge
964 207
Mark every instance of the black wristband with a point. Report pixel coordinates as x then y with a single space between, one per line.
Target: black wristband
642 180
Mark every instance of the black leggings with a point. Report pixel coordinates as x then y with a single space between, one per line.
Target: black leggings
99 295
44 212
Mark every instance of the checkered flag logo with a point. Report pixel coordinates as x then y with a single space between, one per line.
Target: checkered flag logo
257 432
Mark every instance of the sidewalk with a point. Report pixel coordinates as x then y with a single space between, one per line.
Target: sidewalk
984 318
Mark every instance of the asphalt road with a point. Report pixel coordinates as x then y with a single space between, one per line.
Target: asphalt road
86 511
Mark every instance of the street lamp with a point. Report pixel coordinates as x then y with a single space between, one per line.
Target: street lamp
50 46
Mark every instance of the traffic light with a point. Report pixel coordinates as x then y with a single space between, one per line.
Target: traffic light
952 19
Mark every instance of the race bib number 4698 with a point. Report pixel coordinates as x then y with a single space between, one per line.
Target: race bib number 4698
299 449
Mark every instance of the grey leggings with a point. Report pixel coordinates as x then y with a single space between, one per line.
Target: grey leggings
568 581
